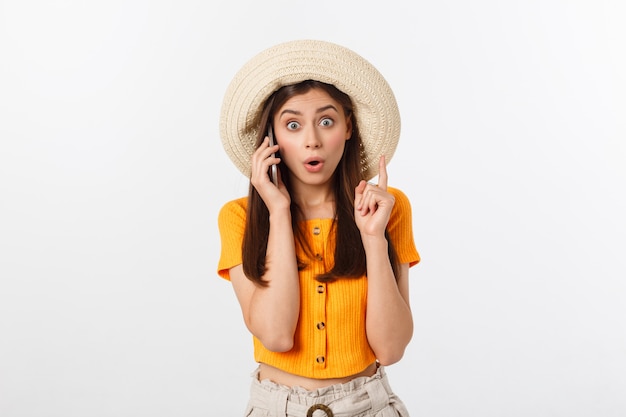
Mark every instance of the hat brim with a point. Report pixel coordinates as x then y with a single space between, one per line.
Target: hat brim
375 106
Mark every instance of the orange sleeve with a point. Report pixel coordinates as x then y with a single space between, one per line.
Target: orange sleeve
232 223
400 228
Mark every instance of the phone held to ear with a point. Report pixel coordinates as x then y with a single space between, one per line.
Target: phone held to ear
273 170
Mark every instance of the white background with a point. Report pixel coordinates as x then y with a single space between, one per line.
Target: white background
513 152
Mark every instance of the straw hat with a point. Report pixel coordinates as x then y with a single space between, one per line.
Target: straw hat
375 106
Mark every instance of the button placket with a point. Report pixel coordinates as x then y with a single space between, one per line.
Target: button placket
319 300
319 324
317 230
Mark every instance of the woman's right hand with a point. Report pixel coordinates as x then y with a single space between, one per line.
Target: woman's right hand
275 198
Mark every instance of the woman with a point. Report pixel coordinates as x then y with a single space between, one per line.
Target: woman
318 257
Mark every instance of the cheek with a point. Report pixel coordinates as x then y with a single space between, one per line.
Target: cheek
339 141
284 149
285 153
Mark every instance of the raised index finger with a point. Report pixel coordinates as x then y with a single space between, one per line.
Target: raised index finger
382 173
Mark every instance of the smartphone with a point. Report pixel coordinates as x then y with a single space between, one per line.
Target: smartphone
273 170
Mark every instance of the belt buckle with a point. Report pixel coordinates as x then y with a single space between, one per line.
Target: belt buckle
322 407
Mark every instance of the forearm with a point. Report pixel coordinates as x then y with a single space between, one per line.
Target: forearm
389 322
274 309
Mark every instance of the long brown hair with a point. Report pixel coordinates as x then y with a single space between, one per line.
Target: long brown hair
349 251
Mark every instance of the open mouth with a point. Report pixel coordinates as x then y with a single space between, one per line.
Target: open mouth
314 164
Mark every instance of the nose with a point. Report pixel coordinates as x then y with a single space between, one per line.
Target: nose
312 139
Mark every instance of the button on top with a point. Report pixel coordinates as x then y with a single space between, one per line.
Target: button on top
320 289
320 359
319 257
321 325
316 230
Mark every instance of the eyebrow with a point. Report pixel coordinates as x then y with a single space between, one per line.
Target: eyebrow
320 110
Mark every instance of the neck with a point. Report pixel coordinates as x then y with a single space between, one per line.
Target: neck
315 201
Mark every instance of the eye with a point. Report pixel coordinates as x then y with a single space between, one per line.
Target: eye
293 125
327 122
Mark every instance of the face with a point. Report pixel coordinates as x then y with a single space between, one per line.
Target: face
311 130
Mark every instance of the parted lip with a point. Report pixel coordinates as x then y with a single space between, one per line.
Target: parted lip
313 160
314 164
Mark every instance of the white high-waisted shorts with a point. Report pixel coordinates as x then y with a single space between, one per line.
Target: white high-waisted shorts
363 397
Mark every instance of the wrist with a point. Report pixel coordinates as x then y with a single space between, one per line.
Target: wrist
283 213
374 242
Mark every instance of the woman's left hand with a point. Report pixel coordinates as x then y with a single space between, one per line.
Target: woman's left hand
373 204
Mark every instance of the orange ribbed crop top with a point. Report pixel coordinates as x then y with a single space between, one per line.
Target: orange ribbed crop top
330 339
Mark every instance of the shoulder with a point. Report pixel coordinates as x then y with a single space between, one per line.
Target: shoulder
397 193
400 228
401 213
401 199
233 210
